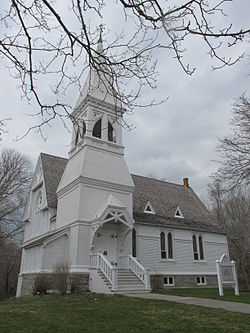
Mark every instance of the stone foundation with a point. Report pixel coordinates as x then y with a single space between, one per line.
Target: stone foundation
77 283
182 281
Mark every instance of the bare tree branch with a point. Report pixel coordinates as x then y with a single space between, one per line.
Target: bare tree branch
39 40
15 178
231 211
234 150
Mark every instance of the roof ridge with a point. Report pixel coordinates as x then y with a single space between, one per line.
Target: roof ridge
160 180
63 158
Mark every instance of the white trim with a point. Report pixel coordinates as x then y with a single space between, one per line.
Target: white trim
197 235
168 272
200 277
94 183
168 261
182 227
149 205
179 211
36 186
168 284
100 104
166 231
200 261
79 269
59 235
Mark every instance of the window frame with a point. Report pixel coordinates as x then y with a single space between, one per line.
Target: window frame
111 132
166 256
198 245
199 280
97 122
180 215
168 284
163 245
151 211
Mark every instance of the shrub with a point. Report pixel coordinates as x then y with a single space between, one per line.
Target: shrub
61 278
41 284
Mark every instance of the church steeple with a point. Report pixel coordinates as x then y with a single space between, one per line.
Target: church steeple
96 166
100 82
98 112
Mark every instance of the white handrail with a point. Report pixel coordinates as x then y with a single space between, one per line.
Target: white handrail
108 270
140 271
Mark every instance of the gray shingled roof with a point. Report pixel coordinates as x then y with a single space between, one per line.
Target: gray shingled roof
165 197
53 167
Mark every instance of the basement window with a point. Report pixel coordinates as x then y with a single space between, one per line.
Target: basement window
168 281
149 208
201 280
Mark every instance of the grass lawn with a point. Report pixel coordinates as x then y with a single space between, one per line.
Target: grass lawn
104 313
209 293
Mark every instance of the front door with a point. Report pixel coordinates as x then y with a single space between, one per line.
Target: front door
106 242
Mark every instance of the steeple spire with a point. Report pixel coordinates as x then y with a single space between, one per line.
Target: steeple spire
99 81
99 43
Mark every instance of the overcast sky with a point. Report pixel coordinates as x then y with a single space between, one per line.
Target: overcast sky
174 140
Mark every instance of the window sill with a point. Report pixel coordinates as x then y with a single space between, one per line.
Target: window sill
168 260
199 261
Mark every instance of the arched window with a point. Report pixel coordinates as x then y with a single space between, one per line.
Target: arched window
83 129
111 133
195 250
201 248
77 136
198 248
170 246
133 242
97 130
163 245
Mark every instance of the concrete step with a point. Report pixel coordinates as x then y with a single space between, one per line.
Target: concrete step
131 288
127 282
130 282
130 291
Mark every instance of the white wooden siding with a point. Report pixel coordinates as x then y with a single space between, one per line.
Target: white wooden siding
183 261
56 252
32 259
83 245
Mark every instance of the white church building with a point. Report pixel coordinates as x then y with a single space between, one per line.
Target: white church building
115 231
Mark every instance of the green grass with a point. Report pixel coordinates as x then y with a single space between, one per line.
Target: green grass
103 313
212 293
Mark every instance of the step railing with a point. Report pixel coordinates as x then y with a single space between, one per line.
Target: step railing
109 271
140 271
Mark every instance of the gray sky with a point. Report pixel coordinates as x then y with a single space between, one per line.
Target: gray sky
174 140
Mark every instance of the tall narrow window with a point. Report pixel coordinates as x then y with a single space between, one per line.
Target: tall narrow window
163 245
201 248
195 250
111 133
77 136
83 129
133 242
170 246
97 129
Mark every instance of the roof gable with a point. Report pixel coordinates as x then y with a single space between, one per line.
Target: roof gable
163 196
166 197
53 167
